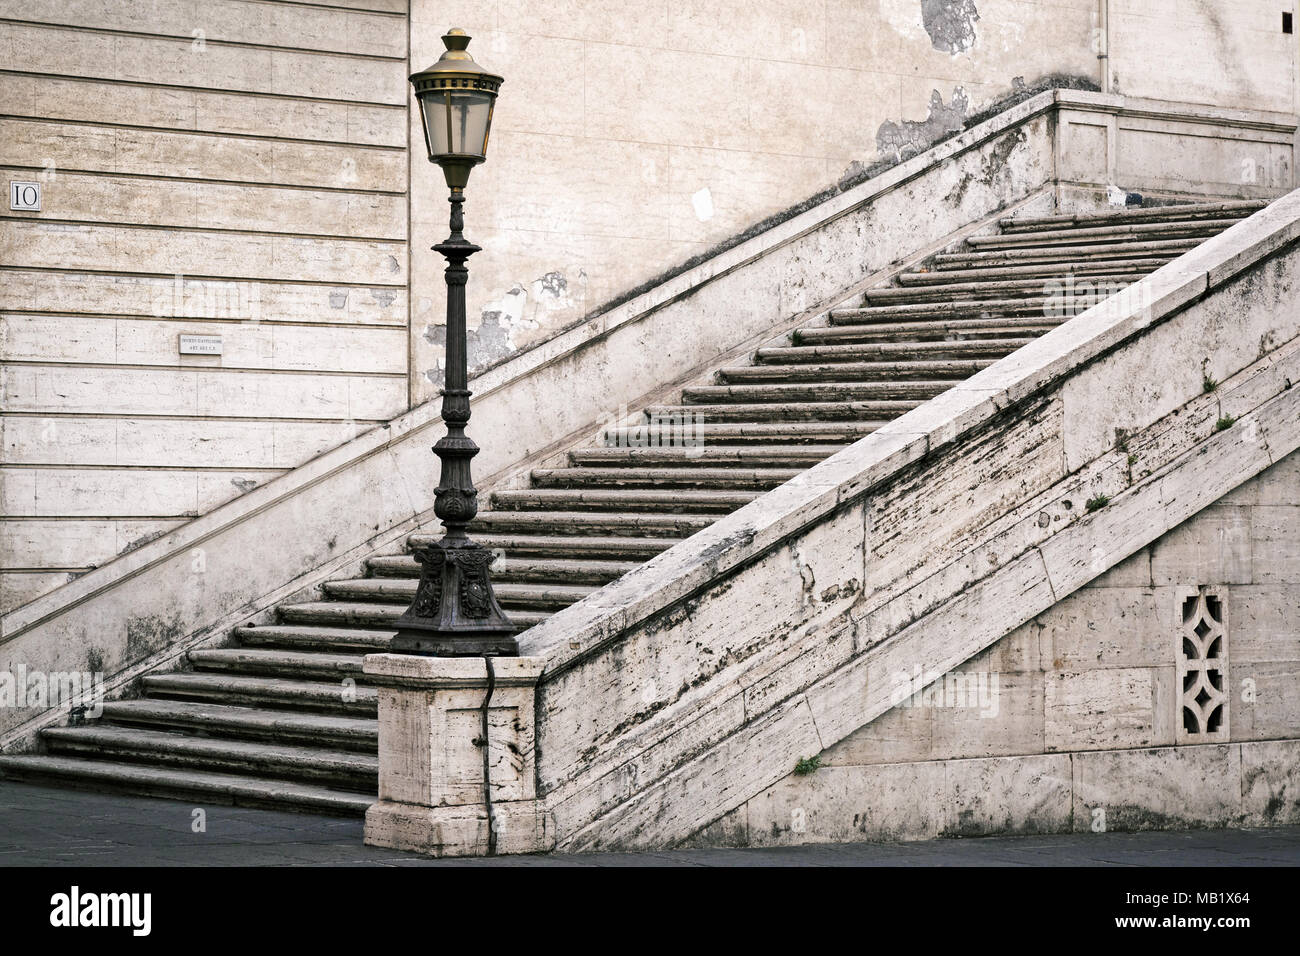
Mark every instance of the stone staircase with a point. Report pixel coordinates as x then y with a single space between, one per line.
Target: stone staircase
283 717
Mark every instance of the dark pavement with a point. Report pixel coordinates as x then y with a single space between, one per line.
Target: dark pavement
45 826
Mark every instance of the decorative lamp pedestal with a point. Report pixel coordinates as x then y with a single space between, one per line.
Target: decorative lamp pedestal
444 789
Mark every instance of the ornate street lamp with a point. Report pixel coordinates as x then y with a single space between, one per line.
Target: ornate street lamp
455 613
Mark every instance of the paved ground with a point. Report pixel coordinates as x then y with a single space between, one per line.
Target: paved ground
44 826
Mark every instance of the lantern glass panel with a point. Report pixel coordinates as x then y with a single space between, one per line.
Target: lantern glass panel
456 122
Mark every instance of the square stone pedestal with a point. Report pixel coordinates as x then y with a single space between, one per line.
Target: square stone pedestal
431 756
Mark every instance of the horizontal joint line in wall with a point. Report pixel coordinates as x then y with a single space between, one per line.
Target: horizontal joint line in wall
207 89
224 231
207 180
148 416
45 363
35 570
76 466
199 319
189 38
31 518
215 134
278 280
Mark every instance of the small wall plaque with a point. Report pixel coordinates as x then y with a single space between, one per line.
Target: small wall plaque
25 197
200 344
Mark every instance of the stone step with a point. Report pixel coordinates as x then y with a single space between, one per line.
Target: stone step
228 720
594 546
198 785
956 369
1234 209
281 662
802 411
1042 270
851 352
1062 255
307 637
1003 289
694 502
697 437
401 591
581 523
347 770
719 477
889 315
1091 235
826 391
333 696
942 330
377 614
772 456
557 570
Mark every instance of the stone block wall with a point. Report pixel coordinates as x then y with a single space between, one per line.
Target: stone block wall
232 168
1078 719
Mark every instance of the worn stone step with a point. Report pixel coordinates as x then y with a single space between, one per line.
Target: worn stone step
345 769
697 438
1062 255
1002 289
563 522
1230 209
944 310
1042 270
634 549
280 662
341 696
199 785
789 434
557 570
956 370
950 331
698 501
868 350
803 411
257 723
718 477
1090 235
378 614
826 391
306 636
773 456
401 591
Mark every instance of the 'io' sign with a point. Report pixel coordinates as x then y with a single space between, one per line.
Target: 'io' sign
25 196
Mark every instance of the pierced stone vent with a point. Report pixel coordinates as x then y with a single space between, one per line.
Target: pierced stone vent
1203 668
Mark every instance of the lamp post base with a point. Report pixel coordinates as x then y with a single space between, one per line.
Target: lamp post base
455 611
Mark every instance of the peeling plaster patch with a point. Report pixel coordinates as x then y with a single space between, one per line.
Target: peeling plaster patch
392 264
384 297
141 541
493 340
950 23
244 485
910 137
703 203
338 299
553 285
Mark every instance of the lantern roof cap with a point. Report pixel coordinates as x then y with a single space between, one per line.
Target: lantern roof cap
456 64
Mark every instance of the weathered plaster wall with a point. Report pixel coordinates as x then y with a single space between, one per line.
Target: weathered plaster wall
632 135
231 168
1218 52
1071 720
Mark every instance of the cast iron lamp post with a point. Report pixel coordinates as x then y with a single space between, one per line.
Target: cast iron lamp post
455 613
